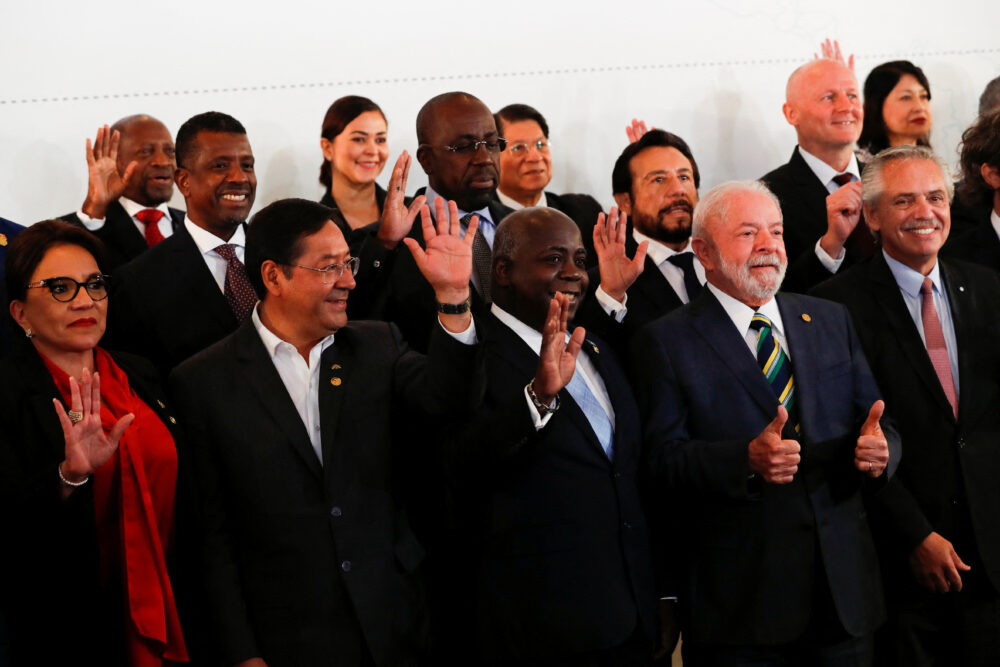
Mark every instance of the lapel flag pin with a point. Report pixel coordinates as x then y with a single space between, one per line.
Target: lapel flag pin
3 239
335 382
335 367
806 317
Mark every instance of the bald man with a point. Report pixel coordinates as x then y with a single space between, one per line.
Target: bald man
820 186
131 178
460 153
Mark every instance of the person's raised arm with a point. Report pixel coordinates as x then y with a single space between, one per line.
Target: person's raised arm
618 272
397 218
104 183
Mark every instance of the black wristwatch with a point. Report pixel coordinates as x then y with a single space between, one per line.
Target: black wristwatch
454 308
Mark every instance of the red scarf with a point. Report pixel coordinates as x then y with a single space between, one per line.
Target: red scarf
140 479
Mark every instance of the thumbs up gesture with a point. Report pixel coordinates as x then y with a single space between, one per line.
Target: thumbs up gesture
772 458
871 455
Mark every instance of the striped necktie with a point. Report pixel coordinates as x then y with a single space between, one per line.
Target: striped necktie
775 364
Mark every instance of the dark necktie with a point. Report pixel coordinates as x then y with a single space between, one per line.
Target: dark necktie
861 238
685 261
239 293
775 364
482 257
150 217
934 339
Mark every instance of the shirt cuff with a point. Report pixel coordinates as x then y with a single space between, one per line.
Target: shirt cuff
610 306
829 263
467 337
539 420
92 224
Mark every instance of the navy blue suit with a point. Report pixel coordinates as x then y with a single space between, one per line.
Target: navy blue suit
759 555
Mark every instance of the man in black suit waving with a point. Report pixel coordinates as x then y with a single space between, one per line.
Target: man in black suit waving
130 180
929 328
308 556
820 186
546 470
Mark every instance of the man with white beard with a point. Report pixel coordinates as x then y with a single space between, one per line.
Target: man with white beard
767 463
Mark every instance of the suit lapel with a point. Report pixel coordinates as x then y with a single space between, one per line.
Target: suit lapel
713 324
41 389
263 378
886 293
960 300
334 377
195 281
132 242
804 343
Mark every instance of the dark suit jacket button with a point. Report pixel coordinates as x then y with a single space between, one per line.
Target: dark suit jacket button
961 443
346 566
377 263
627 524
336 511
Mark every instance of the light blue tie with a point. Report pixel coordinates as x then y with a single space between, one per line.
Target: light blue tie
595 414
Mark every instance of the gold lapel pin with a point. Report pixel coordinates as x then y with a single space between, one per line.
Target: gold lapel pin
806 317
335 367
335 381
3 239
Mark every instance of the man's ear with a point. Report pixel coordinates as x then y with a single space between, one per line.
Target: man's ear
791 114
624 201
182 178
425 159
501 271
269 271
701 250
990 174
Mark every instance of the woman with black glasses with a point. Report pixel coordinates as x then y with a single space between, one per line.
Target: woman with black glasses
88 471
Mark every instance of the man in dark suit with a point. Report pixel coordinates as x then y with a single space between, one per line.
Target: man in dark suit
780 566
819 188
308 557
130 180
459 151
929 329
191 289
526 169
655 182
980 190
8 231
546 471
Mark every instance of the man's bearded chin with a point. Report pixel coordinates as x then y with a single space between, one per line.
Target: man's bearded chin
757 286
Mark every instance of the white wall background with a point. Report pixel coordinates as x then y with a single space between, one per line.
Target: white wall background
712 71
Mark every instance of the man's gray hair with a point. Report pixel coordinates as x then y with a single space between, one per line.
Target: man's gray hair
873 183
716 202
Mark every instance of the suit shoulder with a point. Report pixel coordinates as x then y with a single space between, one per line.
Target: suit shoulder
157 259
203 362
842 285
978 275
805 305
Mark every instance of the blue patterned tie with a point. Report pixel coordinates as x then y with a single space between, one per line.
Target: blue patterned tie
592 409
775 364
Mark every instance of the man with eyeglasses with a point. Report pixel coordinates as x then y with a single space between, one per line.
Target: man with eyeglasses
460 153
526 170
307 556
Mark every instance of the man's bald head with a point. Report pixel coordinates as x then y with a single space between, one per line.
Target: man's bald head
537 252
147 142
823 104
459 149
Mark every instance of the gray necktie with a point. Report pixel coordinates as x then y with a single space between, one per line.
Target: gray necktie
482 258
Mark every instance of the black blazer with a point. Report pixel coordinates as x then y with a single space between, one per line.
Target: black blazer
950 468
166 306
51 544
979 245
753 551
8 230
560 543
583 210
409 300
120 236
305 563
803 208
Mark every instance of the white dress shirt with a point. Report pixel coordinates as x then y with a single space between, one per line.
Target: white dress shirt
301 378
165 224
741 314
909 283
515 205
825 173
207 242
995 219
584 366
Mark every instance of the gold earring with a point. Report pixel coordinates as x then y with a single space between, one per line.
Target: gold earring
28 334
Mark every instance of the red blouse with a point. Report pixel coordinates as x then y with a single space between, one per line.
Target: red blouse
134 502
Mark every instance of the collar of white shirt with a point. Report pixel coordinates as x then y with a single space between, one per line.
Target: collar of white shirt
741 314
825 172
276 345
656 251
132 207
995 219
207 242
515 205
911 281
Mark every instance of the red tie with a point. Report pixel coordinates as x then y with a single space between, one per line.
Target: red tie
936 348
860 237
149 217
239 293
